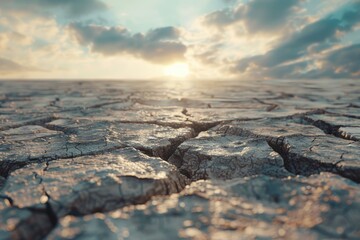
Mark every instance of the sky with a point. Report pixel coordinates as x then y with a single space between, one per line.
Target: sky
203 39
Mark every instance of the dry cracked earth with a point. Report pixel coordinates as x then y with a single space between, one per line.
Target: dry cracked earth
180 160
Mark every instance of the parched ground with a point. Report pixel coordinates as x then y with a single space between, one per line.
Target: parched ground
188 160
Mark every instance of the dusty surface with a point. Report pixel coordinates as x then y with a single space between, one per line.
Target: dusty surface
180 160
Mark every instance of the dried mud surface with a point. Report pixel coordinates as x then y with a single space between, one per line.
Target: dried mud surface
180 160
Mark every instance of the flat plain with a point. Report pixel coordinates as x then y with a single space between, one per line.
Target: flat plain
180 159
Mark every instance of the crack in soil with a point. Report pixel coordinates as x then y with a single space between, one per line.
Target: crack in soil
301 165
328 128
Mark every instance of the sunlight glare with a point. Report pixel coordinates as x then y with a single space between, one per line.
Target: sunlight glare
178 70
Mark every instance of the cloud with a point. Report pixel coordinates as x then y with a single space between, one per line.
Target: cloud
313 39
250 38
7 67
69 8
340 63
257 15
267 15
160 45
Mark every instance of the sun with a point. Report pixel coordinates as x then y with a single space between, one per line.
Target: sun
178 70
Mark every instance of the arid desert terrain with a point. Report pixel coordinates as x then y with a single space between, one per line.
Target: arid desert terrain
180 159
